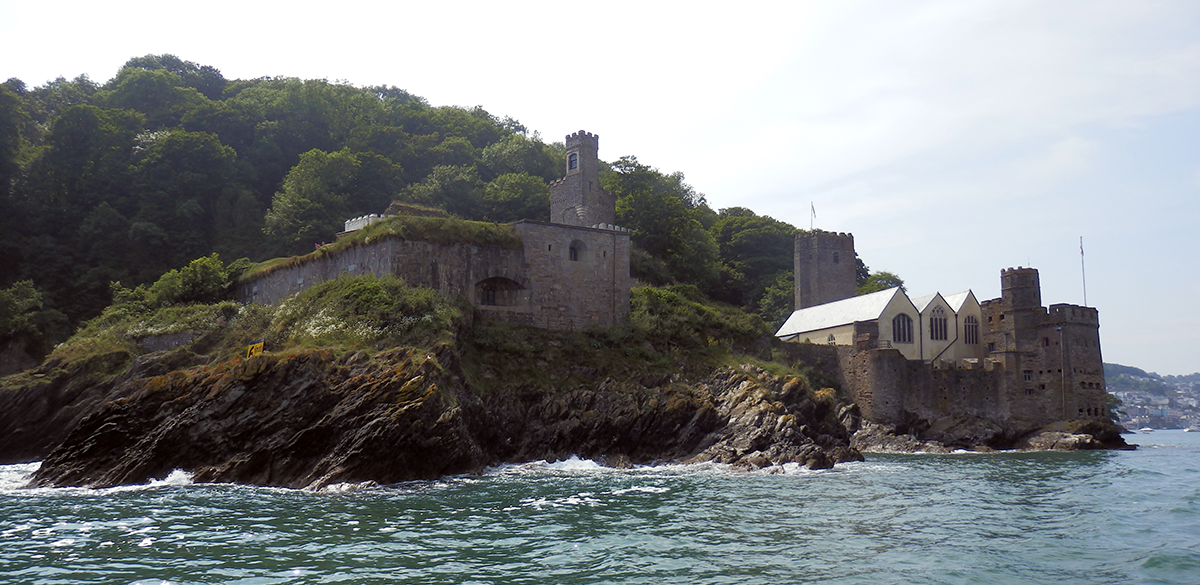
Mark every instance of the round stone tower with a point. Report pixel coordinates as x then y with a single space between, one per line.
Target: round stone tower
1021 288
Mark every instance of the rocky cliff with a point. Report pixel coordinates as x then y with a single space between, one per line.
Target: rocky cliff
307 418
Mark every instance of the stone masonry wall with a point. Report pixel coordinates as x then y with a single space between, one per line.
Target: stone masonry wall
554 291
825 269
375 258
591 290
450 269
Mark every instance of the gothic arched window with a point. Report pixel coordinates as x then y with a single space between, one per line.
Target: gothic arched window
971 330
937 324
902 329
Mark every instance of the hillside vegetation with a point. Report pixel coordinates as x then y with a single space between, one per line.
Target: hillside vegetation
362 366
169 161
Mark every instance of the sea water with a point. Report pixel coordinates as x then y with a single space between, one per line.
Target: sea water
1089 517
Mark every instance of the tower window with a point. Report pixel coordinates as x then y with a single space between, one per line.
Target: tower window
836 258
902 329
971 330
574 255
572 161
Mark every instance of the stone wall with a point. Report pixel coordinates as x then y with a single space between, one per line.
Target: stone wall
451 269
269 289
544 284
576 289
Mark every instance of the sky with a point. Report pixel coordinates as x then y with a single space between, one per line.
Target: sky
952 138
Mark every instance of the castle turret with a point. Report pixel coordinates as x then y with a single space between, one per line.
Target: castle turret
825 268
1021 288
577 199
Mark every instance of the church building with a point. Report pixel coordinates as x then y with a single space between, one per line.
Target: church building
1034 363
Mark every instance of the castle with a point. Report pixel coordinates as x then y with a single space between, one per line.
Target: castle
932 358
1009 360
569 273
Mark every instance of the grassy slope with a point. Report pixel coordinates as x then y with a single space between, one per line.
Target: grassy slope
672 334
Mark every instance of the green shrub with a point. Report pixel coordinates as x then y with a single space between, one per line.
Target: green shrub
363 311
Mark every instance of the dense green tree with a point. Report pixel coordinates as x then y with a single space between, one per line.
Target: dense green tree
778 300
664 214
515 196
85 162
755 249
202 78
12 120
203 280
325 189
455 151
181 180
666 229
159 94
234 122
627 175
878 281
518 154
457 189
47 102
23 317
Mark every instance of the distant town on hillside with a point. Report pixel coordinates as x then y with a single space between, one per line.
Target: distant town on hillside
1154 401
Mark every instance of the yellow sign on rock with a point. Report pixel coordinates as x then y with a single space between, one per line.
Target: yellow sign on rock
255 348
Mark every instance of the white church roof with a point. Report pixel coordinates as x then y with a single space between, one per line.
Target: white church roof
956 300
922 301
863 308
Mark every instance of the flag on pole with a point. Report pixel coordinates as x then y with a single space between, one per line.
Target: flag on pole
1083 270
812 217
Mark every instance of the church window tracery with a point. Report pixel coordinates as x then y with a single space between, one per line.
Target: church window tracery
937 324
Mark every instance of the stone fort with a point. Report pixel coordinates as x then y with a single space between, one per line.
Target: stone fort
569 273
925 361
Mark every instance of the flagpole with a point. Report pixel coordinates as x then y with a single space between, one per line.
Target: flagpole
812 216
1083 271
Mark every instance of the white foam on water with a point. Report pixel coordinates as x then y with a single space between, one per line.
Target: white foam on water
580 499
176 477
574 463
642 489
13 477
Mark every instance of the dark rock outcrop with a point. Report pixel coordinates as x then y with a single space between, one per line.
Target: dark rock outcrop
313 418
979 434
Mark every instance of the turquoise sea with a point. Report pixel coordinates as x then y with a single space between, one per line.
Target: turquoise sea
1096 517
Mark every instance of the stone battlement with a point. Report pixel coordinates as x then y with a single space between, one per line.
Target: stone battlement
582 138
1068 313
828 240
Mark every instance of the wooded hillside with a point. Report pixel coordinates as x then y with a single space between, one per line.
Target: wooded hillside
169 161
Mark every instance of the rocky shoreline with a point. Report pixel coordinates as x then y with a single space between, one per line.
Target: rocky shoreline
313 418
1064 436
316 417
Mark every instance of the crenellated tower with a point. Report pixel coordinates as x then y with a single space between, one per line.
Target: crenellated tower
825 268
577 199
1051 358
